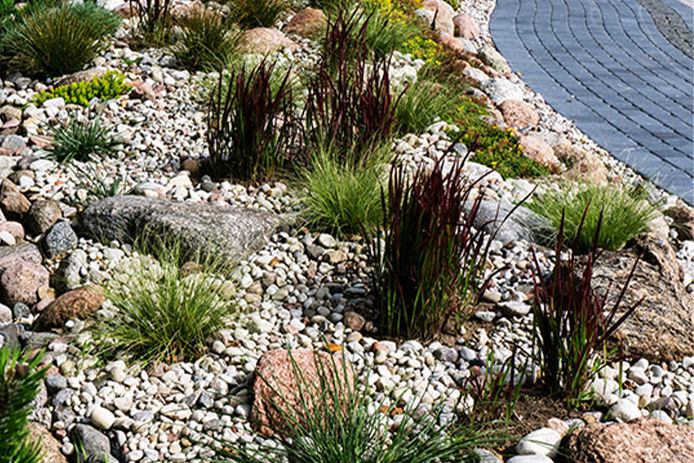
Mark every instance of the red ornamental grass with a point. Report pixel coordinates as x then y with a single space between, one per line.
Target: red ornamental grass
250 125
349 103
429 260
571 322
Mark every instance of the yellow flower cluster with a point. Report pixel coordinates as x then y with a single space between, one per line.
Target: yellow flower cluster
394 10
424 49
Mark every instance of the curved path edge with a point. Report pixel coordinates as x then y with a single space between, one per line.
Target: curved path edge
606 66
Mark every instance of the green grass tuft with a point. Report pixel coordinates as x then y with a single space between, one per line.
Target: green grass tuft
20 380
258 13
419 106
55 39
162 309
625 213
84 140
337 421
343 192
206 40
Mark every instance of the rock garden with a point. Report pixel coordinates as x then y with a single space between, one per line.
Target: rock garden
321 231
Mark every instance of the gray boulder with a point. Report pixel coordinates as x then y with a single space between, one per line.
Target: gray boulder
95 446
522 224
213 230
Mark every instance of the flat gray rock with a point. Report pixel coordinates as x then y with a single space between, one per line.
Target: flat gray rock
214 230
522 224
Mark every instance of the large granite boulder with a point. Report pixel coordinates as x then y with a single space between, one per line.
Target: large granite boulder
644 440
212 230
662 327
280 391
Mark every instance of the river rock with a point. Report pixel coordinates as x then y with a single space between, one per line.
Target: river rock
276 384
213 230
521 224
644 440
307 23
78 303
42 215
263 40
50 446
662 327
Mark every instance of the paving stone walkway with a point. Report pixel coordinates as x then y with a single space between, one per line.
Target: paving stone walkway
604 64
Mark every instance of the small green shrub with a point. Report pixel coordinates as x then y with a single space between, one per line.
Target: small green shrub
57 38
258 13
337 421
494 147
429 261
84 140
205 40
344 191
571 324
108 86
20 380
625 213
419 105
161 311
250 123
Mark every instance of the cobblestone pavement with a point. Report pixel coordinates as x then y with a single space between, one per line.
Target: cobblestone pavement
604 64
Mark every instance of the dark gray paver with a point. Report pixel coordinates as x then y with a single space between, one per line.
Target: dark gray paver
606 65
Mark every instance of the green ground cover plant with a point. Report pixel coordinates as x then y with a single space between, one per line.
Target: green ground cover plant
571 323
251 123
165 309
337 421
493 146
84 140
20 380
106 87
205 40
620 213
343 192
55 38
429 261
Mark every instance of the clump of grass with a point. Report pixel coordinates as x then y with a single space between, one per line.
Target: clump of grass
494 392
154 23
572 323
356 429
619 213
343 192
161 311
419 106
106 87
250 123
56 38
206 39
258 13
20 380
388 27
84 140
97 184
429 260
